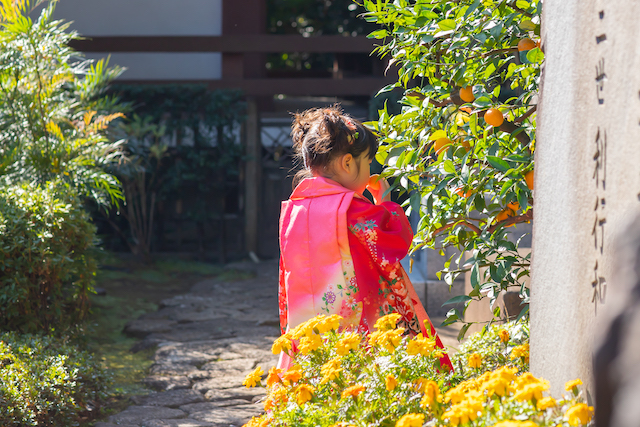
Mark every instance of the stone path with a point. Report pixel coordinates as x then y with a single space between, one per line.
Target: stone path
207 342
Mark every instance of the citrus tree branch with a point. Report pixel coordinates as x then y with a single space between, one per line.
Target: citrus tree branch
455 222
526 217
525 115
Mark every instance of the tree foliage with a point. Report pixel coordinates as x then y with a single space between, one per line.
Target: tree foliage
53 115
468 175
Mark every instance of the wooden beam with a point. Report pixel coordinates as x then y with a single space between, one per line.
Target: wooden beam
293 87
246 43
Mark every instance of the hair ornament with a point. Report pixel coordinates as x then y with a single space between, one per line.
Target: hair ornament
350 123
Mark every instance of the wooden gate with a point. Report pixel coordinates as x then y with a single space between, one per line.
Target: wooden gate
276 183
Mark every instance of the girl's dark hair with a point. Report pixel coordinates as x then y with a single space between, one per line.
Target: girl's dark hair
321 134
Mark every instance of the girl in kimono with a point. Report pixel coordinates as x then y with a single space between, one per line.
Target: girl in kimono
340 253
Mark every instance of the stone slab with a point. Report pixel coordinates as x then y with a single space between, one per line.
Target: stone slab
166 383
233 365
210 406
178 423
586 176
173 398
235 393
140 414
236 415
171 369
222 382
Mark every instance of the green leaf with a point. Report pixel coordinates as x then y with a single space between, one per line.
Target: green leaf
491 68
457 300
535 56
498 163
447 24
379 34
437 135
449 167
463 331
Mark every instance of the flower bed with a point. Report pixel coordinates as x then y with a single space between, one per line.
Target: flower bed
387 379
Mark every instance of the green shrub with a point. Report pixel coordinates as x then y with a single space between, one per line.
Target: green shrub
54 113
46 381
46 260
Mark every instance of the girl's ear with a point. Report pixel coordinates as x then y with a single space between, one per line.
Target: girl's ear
346 162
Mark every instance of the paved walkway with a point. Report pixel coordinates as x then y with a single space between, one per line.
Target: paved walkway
207 342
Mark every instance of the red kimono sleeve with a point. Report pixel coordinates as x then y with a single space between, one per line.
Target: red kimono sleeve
383 229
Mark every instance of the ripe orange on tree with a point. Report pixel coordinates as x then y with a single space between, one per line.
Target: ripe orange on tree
460 192
526 44
466 94
513 207
493 117
441 144
528 178
504 214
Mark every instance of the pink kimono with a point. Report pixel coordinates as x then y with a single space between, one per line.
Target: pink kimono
340 254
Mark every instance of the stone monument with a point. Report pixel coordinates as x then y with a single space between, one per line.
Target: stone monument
587 176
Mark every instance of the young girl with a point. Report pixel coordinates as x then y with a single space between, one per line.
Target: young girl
339 253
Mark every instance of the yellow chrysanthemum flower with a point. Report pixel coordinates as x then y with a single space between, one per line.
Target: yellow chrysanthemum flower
465 411
309 343
579 413
389 339
546 402
278 394
253 378
421 345
292 375
307 328
515 423
349 341
329 323
390 382
353 391
388 322
504 335
411 420
431 394
330 370
521 351
305 393
498 381
475 361
531 391
274 376
283 343
569 385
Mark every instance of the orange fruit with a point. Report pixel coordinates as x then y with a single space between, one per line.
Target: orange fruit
460 192
466 94
466 109
513 207
528 178
493 117
466 145
441 144
502 215
526 44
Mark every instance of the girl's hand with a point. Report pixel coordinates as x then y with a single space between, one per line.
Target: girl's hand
377 186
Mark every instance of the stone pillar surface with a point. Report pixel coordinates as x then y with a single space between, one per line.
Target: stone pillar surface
587 175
